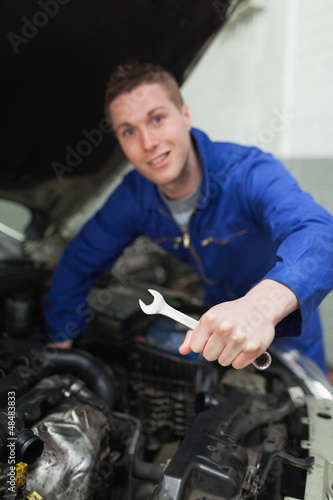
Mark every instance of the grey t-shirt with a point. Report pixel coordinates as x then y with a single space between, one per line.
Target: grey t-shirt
182 209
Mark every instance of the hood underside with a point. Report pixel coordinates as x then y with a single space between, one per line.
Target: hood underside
56 58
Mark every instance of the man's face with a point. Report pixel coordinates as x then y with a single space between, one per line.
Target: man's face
154 134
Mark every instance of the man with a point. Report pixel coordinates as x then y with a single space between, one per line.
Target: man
262 247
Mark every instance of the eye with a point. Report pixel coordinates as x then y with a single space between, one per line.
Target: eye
128 132
157 119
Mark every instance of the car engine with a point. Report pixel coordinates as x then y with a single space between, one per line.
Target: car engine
122 416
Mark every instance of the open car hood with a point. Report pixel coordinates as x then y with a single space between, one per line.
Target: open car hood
57 56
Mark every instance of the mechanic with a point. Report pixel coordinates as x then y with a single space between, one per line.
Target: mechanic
261 246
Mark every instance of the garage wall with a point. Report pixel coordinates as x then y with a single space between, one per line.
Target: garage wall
267 80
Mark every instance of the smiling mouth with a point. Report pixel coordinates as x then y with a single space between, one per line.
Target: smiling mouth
159 159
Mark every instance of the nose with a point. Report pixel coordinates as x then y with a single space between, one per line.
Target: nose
149 139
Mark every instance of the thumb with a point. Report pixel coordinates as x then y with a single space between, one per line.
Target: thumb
185 347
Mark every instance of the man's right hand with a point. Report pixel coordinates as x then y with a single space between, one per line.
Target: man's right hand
237 332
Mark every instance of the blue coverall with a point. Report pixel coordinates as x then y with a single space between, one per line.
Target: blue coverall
252 222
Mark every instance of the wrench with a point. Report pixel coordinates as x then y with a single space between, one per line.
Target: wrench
159 306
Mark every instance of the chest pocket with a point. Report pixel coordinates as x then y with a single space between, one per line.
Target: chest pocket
222 241
222 256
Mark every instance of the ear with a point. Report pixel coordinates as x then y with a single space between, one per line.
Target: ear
187 116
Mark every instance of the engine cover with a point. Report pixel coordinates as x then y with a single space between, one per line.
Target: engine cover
207 465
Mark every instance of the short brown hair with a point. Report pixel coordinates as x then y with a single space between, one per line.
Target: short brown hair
126 77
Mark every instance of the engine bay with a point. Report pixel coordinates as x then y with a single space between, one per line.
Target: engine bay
123 416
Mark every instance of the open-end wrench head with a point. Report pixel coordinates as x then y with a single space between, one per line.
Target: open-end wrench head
155 306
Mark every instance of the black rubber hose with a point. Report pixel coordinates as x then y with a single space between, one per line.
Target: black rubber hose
83 365
136 466
257 419
146 470
28 446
